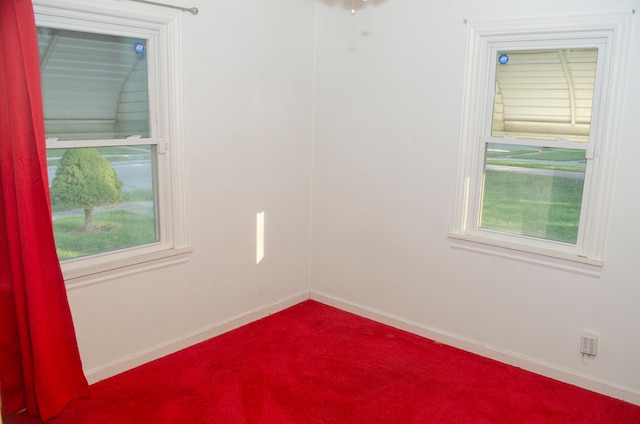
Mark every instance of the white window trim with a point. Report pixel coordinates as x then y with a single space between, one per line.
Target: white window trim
164 27
614 30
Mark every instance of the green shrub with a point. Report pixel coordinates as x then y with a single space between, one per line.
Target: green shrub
84 180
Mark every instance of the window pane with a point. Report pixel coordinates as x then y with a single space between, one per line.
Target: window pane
544 94
103 199
533 191
93 86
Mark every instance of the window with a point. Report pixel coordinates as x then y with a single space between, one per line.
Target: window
542 104
110 80
534 169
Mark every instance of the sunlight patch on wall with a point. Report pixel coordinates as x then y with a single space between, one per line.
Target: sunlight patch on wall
259 237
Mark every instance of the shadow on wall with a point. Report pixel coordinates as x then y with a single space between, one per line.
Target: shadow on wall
353 5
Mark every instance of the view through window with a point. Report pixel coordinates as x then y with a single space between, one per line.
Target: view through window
101 159
535 159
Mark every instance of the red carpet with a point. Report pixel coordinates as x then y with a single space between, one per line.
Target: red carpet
315 364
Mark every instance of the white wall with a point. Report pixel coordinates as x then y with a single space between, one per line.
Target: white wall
388 112
248 68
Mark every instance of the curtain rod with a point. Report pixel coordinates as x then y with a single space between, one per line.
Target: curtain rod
193 10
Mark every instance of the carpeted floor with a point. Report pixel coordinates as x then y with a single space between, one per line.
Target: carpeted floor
316 364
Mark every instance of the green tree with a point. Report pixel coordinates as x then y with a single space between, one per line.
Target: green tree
84 179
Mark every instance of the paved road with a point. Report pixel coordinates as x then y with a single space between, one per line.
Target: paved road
135 174
537 171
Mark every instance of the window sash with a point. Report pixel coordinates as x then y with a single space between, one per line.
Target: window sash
478 230
159 167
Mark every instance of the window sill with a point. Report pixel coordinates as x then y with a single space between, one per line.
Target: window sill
531 255
85 276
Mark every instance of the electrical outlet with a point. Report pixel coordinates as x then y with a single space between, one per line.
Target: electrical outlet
589 344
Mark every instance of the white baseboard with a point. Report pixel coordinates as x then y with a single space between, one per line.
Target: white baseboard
542 368
154 352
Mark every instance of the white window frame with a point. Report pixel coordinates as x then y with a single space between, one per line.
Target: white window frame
162 28
610 33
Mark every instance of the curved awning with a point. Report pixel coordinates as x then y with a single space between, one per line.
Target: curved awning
94 86
545 94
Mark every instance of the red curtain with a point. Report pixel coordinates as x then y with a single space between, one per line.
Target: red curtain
40 366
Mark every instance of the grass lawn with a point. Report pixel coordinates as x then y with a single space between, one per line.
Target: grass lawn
113 230
542 206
